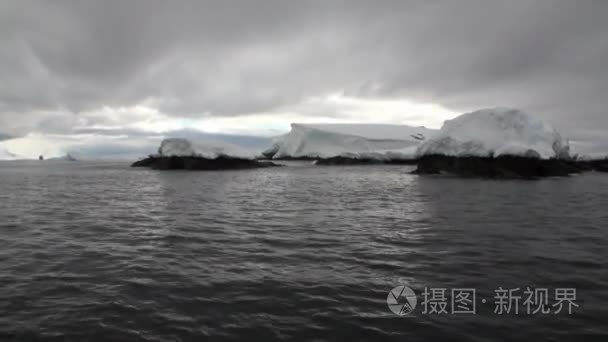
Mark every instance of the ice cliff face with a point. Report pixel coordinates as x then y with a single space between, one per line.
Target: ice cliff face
351 140
178 147
495 132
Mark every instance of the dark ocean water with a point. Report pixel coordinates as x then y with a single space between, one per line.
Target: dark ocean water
99 251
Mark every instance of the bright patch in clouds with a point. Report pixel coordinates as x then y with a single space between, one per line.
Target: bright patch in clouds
139 117
109 127
330 109
395 111
335 108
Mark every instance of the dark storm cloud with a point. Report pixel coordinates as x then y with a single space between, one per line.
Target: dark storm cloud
225 58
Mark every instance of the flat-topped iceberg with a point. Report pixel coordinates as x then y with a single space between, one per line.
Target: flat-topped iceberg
369 141
496 132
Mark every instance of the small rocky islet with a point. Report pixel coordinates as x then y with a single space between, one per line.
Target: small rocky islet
158 162
182 154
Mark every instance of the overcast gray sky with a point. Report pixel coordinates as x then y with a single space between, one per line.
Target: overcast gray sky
103 70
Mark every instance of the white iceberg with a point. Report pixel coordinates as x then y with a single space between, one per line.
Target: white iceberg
65 157
374 141
496 132
179 147
6 155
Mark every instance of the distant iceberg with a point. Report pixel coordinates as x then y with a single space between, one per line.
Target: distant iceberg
66 157
370 141
6 155
496 132
184 154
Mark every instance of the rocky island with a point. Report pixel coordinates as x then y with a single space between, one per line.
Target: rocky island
182 154
498 143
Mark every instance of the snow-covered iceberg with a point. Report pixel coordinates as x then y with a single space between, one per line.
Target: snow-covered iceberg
372 141
179 147
496 132
184 154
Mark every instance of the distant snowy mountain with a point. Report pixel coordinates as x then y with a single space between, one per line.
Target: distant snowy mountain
495 132
351 140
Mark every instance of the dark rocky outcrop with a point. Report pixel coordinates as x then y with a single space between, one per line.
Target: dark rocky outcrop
402 162
347 161
200 163
488 167
268 154
496 167
69 157
599 165
287 158
340 160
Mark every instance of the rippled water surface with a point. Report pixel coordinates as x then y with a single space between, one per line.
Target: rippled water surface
100 251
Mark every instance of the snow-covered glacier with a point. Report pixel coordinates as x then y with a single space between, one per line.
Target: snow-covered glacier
374 141
496 132
179 147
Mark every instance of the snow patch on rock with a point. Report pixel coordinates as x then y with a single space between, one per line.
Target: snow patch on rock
496 132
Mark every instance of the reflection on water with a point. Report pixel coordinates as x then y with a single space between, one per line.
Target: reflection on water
101 250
